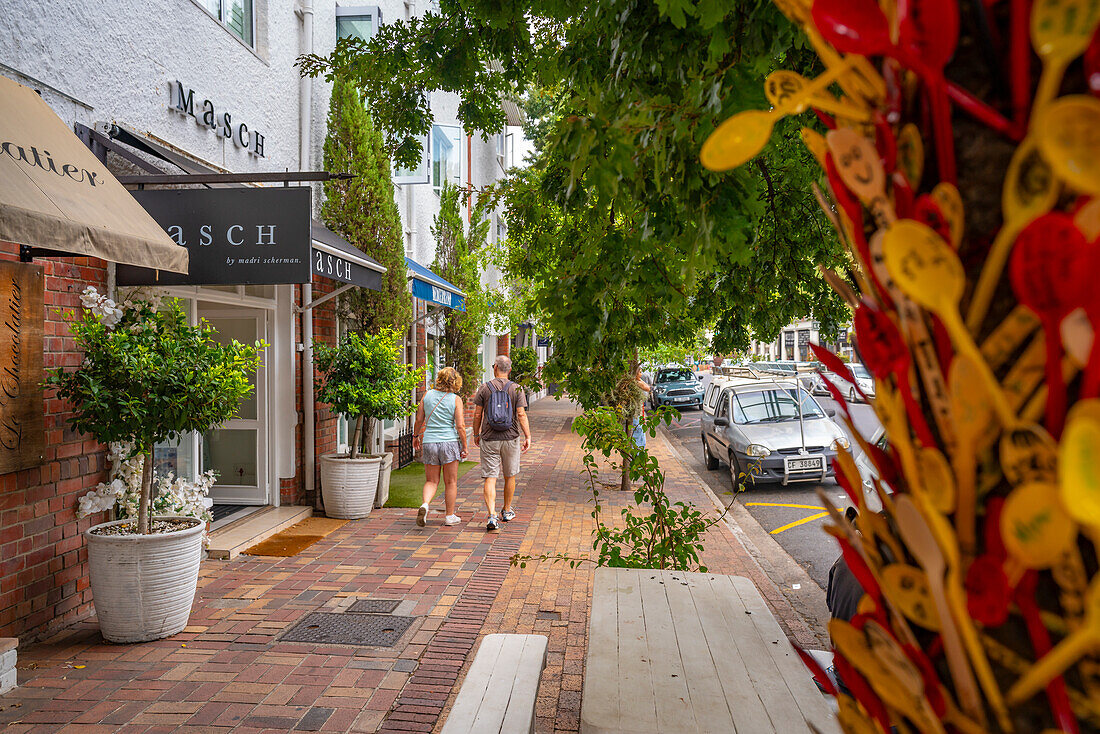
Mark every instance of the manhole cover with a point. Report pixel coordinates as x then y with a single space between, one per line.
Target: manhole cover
374 606
382 630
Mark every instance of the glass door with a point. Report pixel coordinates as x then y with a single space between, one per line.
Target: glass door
237 449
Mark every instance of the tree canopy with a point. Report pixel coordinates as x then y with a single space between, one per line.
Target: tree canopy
623 239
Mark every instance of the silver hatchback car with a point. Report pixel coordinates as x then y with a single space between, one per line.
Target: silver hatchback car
755 426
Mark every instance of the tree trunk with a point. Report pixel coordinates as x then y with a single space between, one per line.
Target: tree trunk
356 434
146 491
625 484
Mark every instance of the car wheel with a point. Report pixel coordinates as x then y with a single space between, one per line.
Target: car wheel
735 473
710 461
852 395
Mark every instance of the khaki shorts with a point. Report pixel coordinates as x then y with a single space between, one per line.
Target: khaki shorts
496 455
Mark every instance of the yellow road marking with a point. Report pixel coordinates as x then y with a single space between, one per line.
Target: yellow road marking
780 504
803 521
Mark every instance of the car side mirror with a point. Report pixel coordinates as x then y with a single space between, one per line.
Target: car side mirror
830 412
721 421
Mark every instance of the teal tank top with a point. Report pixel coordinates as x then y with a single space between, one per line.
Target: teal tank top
440 406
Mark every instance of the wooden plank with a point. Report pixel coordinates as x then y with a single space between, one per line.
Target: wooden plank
754 652
673 700
635 683
22 324
520 717
600 699
749 705
474 687
494 704
708 699
797 678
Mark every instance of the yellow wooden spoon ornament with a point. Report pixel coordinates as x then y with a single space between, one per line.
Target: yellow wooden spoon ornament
1079 471
1060 32
926 269
1030 189
922 544
815 143
1035 528
1068 132
739 138
911 154
1079 643
975 423
948 199
783 85
907 588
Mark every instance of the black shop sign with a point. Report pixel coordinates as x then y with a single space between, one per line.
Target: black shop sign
249 236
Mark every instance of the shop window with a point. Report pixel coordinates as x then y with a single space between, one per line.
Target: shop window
236 15
357 22
446 155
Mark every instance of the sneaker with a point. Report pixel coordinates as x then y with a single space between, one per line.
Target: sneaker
507 515
493 525
422 516
452 520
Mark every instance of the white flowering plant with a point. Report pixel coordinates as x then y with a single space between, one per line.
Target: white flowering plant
172 495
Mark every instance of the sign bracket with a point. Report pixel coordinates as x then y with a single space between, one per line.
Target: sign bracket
318 301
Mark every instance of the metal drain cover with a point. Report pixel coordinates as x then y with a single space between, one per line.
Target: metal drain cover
374 606
381 630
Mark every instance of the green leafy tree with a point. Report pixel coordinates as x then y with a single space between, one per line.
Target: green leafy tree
150 378
363 378
362 210
624 99
460 257
525 368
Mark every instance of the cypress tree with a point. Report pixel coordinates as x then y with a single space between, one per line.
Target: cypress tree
362 211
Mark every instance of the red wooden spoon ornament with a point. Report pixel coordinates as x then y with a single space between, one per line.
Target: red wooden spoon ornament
1090 383
884 352
1047 276
860 26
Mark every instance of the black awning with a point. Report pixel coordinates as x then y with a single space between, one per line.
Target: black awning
336 258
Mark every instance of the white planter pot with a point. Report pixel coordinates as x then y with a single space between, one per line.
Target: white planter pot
143 585
348 486
384 472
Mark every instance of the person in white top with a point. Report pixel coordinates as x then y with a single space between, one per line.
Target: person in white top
440 436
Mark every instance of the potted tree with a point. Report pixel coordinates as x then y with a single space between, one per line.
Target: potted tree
363 379
147 376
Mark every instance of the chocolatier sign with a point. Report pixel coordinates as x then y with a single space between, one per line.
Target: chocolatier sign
22 423
234 236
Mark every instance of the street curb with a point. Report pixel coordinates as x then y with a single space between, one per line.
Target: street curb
808 601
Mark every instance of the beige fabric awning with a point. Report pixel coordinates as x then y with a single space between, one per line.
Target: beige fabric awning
56 195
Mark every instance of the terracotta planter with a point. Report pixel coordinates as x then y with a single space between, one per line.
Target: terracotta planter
348 486
143 585
384 472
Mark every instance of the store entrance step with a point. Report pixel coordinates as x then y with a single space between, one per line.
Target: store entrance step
228 542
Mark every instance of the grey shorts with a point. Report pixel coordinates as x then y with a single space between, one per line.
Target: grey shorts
498 455
438 454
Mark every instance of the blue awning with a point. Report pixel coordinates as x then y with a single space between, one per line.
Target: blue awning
428 286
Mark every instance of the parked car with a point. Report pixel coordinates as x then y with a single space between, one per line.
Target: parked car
863 378
676 386
868 473
754 426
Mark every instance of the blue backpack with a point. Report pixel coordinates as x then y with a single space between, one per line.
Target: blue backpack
499 411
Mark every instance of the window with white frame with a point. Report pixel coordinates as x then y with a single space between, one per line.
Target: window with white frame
236 15
446 155
359 21
418 175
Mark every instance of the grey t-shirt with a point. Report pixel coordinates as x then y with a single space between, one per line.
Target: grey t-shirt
519 400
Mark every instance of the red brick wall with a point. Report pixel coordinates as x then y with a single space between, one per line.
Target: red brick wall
504 345
43 561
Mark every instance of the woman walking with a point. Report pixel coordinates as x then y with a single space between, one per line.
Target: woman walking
440 436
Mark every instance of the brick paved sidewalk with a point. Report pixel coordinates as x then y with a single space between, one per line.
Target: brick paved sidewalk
229 672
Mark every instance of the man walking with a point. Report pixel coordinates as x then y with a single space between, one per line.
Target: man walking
500 413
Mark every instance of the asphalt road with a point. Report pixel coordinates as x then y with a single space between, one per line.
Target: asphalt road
792 514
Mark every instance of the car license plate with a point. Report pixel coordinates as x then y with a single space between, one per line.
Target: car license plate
683 400
804 464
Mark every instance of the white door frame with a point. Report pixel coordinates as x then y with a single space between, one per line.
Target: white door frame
224 492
